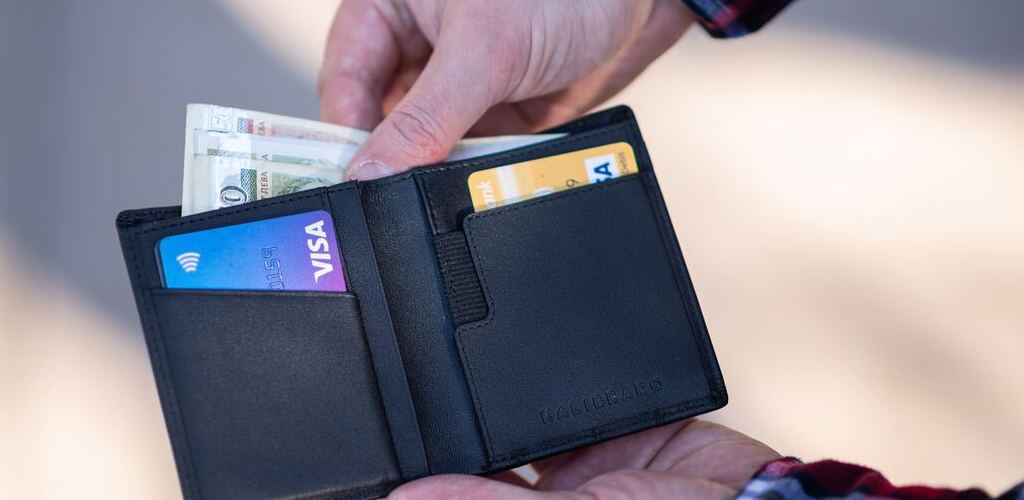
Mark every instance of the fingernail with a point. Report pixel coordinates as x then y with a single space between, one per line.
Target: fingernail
369 170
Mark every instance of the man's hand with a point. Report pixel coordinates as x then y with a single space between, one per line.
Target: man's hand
690 459
424 73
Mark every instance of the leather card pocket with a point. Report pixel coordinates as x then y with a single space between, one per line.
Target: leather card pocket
273 393
590 333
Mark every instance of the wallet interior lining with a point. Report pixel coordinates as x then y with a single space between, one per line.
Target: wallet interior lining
387 388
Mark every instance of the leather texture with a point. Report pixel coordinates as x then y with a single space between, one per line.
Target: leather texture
587 319
410 276
251 365
468 342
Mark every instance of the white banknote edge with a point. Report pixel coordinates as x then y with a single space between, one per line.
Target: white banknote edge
218 120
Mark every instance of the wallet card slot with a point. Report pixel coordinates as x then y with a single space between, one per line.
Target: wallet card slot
364 278
403 246
445 187
269 393
589 333
140 239
141 230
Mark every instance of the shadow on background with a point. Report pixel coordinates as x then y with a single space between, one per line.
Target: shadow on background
93 98
94 108
846 187
986 35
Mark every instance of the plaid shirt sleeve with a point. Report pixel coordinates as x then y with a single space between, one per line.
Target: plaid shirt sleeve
790 479
732 18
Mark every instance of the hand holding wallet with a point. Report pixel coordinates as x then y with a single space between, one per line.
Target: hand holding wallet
467 341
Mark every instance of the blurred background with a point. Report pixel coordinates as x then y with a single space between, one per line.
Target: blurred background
848 187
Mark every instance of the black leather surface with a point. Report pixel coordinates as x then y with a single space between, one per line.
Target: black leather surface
591 329
445 191
363 279
419 309
275 391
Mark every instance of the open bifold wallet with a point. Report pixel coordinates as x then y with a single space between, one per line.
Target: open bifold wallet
466 342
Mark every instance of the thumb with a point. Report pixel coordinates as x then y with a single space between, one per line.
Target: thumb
450 95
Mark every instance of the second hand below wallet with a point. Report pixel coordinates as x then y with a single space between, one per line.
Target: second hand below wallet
466 342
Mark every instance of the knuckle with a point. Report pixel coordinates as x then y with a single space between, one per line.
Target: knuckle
417 134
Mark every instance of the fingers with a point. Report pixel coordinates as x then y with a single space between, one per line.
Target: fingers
650 485
361 54
638 484
714 452
462 79
634 451
459 486
666 22
545 464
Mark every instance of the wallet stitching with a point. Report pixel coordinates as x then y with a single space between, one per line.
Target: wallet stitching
529 150
667 413
572 137
519 206
698 334
684 298
540 148
177 430
583 436
386 404
678 270
674 253
555 197
613 426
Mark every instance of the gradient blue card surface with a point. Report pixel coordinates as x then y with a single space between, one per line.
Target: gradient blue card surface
294 252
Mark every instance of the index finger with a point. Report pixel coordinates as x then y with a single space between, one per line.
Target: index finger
360 57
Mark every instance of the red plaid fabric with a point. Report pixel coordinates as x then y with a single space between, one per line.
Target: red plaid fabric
790 479
732 18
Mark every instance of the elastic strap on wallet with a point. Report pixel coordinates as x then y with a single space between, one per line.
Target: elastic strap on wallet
465 296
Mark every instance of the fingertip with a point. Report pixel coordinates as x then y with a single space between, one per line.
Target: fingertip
403 140
368 170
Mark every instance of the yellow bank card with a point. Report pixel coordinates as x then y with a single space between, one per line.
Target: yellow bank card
508 184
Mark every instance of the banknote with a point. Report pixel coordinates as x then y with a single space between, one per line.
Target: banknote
250 136
244 121
275 149
235 156
224 181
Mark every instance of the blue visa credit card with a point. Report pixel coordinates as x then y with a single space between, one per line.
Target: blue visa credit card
294 252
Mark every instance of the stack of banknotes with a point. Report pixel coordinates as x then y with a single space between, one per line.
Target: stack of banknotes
235 156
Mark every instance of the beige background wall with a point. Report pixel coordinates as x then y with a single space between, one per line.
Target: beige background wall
847 190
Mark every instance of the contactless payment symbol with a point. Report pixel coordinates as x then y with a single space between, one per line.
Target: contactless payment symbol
189 261
292 252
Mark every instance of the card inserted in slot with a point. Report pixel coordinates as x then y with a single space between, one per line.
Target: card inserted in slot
294 252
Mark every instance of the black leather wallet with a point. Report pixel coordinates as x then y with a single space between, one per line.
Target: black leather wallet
467 342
